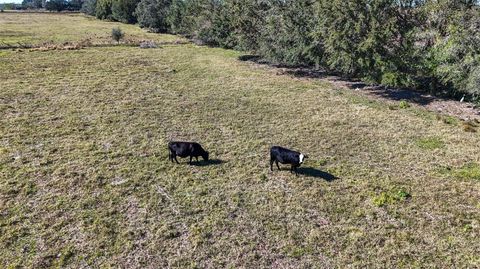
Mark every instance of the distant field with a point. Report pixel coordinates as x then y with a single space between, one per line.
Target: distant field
85 180
40 28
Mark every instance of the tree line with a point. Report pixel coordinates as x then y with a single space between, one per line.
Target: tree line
426 44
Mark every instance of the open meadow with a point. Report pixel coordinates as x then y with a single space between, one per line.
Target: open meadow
85 180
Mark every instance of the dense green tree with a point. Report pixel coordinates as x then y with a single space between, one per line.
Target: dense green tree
455 54
154 14
103 10
89 6
32 4
56 5
123 10
287 34
367 38
75 4
248 19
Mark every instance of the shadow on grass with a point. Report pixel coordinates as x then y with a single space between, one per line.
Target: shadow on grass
208 163
312 172
394 94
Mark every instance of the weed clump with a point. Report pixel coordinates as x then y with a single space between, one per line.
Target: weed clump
470 126
390 197
404 104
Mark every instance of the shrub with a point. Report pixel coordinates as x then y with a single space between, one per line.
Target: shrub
117 34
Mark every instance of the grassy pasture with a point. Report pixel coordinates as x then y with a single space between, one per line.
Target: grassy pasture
40 28
85 180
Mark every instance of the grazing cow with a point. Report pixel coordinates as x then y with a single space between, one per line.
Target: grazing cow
286 156
186 149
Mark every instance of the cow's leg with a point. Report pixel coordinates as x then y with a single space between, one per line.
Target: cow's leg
175 157
276 162
190 160
196 158
271 164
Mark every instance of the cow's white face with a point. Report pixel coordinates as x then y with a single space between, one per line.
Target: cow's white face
301 158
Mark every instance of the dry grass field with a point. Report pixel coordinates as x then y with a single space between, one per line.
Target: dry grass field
36 29
85 180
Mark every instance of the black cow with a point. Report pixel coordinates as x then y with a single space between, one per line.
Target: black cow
186 149
286 156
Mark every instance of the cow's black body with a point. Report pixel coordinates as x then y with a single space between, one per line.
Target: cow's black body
286 156
186 149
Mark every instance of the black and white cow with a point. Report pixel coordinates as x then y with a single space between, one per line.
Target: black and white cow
186 149
286 156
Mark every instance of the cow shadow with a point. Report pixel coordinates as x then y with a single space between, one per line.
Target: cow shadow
208 163
312 172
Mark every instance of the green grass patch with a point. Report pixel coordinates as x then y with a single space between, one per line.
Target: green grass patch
470 171
390 197
430 143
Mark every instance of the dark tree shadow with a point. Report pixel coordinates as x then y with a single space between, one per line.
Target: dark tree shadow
312 172
208 163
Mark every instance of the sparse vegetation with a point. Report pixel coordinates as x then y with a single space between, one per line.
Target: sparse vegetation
85 179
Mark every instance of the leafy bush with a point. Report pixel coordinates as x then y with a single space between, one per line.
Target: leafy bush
117 34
